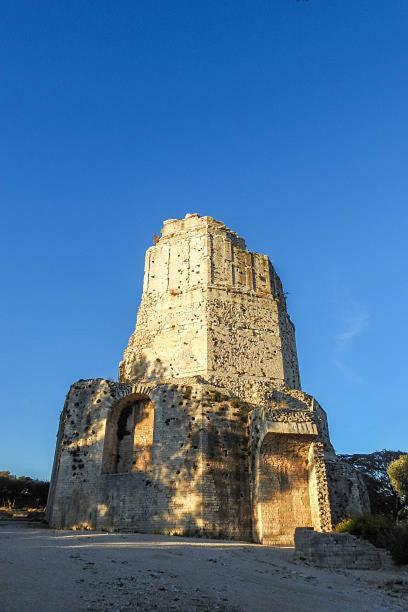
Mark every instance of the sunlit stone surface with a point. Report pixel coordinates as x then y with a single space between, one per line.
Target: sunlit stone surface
207 431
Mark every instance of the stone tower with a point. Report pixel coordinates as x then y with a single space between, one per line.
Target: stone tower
211 308
207 431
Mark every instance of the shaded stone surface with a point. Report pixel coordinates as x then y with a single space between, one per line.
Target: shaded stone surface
335 550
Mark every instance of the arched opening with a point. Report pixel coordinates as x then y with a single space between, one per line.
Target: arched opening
129 436
283 487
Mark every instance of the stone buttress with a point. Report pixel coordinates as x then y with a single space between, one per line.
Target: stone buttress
207 431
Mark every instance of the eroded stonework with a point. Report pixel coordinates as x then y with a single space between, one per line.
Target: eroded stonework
207 431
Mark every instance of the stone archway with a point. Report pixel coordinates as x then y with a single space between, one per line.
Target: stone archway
283 488
129 436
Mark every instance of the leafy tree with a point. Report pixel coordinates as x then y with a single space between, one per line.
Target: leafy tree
22 491
398 474
373 468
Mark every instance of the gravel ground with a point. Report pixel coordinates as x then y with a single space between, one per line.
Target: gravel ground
48 570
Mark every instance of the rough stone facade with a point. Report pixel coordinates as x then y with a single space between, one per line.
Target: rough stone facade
207 431
211 308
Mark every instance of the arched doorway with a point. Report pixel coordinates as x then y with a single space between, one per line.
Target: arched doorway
283 487
129 436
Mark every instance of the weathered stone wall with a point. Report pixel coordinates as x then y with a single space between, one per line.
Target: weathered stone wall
335 550
185 457
78 458
193 478
246 350
225 457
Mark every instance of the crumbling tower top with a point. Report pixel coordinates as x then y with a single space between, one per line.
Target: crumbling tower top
194 221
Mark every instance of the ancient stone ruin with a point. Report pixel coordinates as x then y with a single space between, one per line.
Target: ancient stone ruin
207 431
336 550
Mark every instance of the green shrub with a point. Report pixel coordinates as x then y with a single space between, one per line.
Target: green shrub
375 528
380 531
398 545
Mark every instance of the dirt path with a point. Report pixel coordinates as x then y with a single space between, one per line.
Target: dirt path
47 570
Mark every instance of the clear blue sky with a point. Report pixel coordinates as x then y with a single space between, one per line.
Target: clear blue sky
287 120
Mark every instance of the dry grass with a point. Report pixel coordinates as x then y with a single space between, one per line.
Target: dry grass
8 511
